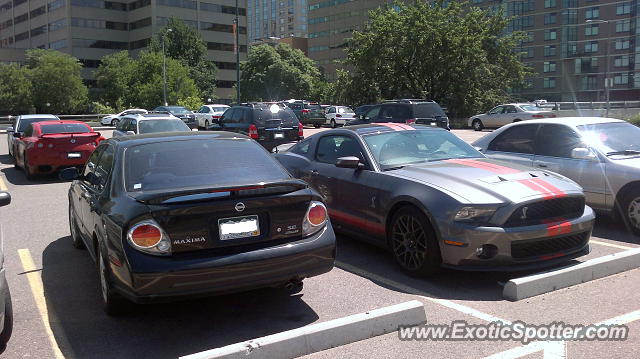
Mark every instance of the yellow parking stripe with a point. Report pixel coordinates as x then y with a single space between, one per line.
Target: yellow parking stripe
611 245
3 186
37 289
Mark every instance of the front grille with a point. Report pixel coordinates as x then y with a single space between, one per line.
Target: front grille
545 246
535 213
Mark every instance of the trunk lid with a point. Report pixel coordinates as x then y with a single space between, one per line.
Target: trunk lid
69 141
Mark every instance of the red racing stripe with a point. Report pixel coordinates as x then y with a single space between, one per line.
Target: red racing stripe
406 127
553 189
368 226
557 226
497 169
532 185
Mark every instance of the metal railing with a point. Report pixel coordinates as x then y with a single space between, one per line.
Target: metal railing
86 117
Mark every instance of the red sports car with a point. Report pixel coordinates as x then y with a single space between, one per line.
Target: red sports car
49 146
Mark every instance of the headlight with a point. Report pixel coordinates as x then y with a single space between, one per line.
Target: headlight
474 214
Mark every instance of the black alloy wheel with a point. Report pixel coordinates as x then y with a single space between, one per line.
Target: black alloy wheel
413 243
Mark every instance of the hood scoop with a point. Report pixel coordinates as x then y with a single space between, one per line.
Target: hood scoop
513 177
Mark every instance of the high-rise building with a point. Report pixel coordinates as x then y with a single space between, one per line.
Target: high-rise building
91 29
572 45
276 19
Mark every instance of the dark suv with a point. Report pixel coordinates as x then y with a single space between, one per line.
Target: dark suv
270 124
425 112
308 113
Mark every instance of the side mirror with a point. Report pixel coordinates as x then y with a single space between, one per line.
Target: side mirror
582 153
349 162
17 134
69 174
129 133
5 198
9 129
479 149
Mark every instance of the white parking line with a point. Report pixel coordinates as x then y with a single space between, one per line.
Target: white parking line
3 186
613 245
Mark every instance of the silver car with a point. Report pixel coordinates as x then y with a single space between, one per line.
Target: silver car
6 311
21 123
600 154
139 124
509 113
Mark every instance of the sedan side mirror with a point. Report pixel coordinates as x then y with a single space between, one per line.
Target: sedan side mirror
349 162
69 174
9 129
582 153
129 133
5 198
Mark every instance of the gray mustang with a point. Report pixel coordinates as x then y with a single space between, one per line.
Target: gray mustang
601 154
434 200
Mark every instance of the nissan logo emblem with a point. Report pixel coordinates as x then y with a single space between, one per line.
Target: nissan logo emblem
73 140
240 206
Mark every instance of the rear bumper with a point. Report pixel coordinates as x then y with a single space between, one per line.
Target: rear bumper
518 248
268 267
313 121
54 161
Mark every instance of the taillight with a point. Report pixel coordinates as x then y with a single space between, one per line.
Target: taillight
306 111
148 237
537 116
300 130
253 131
315 219
411 121
552 115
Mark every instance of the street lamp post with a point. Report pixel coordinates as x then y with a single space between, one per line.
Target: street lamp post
164 71
607 81
237 40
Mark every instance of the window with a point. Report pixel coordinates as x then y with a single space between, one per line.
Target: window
591 30
550 34
549 82
623 9
586 65
588 83
372 113
301 148
330 148
29 131
623 26
549 3
622 44
591 46
571 16
527 52
93 161
621 79
549 66
187 4
557 141
104 167
496 110
550 18
621 61
550 50
222 9
592 13
571 49
518 139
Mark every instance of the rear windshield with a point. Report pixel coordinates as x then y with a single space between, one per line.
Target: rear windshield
150 126
24 123
428 110
345 110
219 109
312 106
198 163
65 128
178 110
261 116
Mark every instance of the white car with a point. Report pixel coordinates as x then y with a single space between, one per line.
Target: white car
209 114
506 114
338 115
20 125
112 120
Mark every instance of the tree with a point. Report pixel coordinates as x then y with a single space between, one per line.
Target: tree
276 73
56 81
443 50
148 85
185 44
15 90
116 75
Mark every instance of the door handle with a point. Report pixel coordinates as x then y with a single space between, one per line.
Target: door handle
542 165
314 172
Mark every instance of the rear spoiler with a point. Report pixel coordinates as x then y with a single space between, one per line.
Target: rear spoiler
210 193
81 134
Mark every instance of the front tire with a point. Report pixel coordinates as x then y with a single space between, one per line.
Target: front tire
5 335
112 303
413 242
333 123
630 210
317 125
206 124
27 170
477 125
114 122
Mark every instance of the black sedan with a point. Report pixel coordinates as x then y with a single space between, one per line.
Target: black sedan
169 215
180 112
435 201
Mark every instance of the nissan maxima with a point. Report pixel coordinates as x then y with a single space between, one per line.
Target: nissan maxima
433 200
174 215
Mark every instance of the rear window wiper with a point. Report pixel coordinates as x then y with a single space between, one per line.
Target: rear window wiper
624 153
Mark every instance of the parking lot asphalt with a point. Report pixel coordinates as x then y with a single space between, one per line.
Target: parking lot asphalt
57 306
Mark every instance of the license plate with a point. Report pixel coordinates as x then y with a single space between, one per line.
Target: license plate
74 155
278 135
238 227
433 123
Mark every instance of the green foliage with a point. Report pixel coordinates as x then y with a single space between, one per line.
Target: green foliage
97 107
443 50
635 120
185 44
275 73
56 81
193 103
116 75
15 90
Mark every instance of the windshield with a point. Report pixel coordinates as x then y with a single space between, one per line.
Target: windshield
530 107
24 123
612 137
399 148
179 110
149 126
219 109
262 115
65 128
182 164
428 110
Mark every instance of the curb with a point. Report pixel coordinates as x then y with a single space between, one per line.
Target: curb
525 287
321 336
